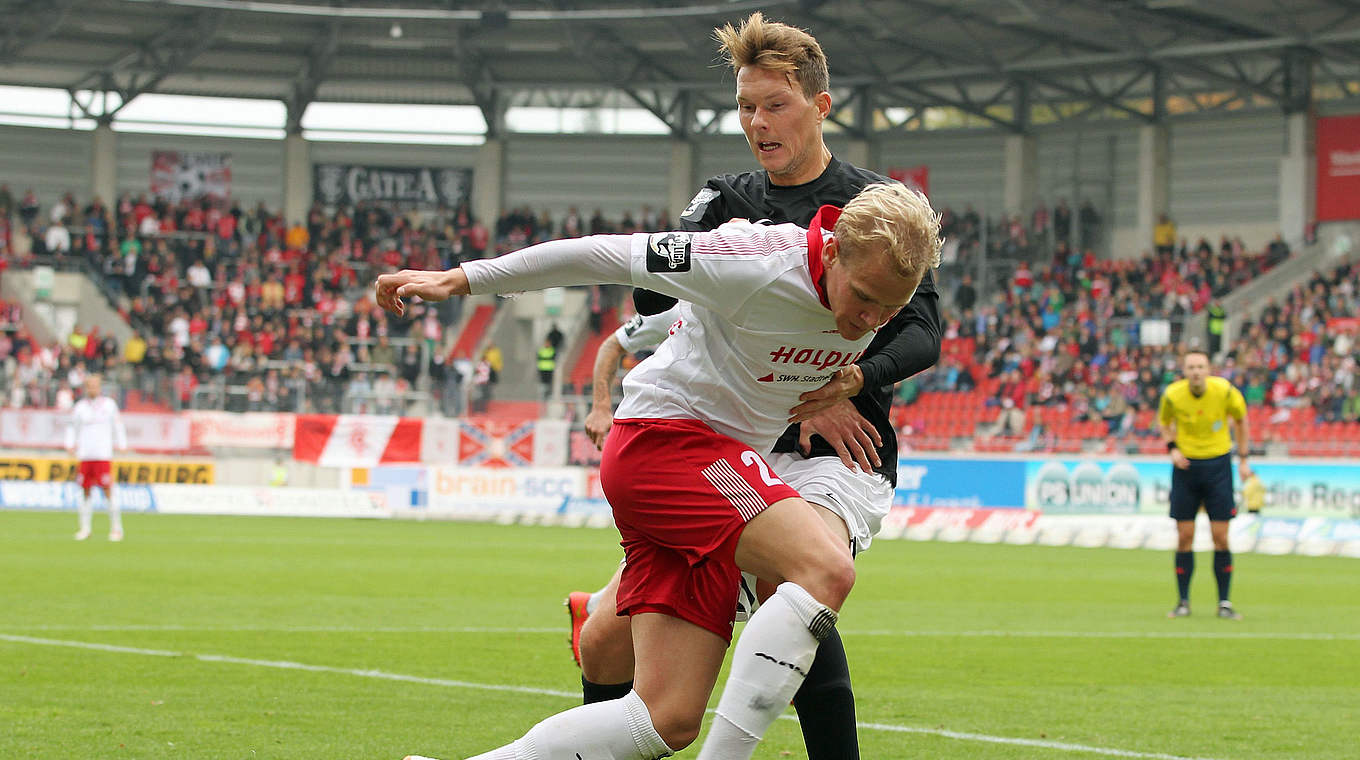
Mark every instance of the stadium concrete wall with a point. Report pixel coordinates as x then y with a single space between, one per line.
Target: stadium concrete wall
256 165
1311 507
965 167
51 161
564 497
1224 174
615 174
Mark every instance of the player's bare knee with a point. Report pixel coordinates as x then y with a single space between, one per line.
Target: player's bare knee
678 729
830 579
606 649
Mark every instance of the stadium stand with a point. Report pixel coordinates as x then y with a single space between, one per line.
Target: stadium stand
235 310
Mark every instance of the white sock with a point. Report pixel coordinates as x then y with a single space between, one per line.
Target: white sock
85 510
771 660
620 729
115 514
594 602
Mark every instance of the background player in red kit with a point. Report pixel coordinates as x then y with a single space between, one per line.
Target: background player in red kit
94 433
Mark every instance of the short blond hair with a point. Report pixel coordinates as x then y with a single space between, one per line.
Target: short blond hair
891 216
778 47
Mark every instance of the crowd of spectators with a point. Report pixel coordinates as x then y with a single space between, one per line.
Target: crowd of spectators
265 315
1020 237
1068 334
1302 351
233 308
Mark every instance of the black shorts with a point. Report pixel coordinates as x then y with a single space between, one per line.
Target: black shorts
1207 482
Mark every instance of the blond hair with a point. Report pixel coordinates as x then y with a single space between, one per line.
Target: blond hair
777 47
891 216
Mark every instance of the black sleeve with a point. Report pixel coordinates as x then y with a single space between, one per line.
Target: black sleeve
699 216
916 348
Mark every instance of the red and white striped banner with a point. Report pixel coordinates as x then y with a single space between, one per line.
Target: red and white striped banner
356 440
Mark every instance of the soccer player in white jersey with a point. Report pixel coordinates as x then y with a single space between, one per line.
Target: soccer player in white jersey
769 312
93 434
847 487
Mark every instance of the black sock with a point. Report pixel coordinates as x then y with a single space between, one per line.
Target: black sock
826 705
1223 568
1185 567
603 692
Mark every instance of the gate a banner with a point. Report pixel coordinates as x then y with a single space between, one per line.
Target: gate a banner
1338 168
348 184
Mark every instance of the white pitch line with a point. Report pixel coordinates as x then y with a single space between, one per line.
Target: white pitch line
1022 742
383 675
882 632
287 629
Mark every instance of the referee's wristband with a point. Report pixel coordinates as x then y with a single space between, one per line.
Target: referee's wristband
1171 446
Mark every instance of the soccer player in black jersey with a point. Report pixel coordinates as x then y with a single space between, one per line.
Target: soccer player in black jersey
782 98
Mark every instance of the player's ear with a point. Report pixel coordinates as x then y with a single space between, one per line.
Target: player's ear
823 102
831 249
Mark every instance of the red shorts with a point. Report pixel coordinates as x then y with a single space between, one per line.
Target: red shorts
681 495
92 474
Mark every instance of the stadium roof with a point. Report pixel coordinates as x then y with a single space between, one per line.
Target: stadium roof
1007 63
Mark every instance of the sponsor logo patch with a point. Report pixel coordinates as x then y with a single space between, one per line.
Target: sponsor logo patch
668 252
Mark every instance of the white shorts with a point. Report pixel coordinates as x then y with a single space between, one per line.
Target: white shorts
860 499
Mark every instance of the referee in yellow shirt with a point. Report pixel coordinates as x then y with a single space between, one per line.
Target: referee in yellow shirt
1194 417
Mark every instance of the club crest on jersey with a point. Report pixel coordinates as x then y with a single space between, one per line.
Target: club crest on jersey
668 252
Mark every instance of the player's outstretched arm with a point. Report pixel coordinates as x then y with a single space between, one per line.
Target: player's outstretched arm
393 289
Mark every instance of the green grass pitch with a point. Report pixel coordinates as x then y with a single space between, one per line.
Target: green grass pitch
214 637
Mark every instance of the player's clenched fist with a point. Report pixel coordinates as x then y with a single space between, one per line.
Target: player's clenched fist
393 289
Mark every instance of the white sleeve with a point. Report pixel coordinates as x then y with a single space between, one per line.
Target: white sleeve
719 270
641 332
592 260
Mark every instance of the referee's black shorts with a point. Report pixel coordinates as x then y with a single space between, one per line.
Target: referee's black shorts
1207 482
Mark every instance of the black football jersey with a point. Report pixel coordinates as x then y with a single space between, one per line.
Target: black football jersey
909 343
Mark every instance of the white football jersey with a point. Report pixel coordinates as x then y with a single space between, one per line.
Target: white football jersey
753 331
645 332
95 429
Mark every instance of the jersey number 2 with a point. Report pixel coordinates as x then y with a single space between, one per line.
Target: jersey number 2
750 458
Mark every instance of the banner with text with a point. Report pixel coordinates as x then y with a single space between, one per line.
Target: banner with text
46 429
1095 486
473 490
243 430
46 495
44 469
960 483
348 184
185 175
1338 168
